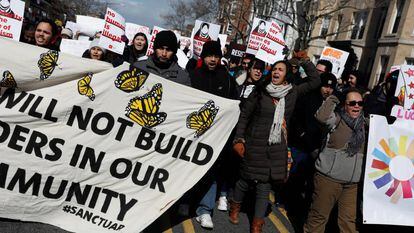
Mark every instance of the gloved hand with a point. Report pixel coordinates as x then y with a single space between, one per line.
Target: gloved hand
239 148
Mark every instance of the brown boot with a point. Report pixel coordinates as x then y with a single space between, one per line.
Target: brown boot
257 225
234 212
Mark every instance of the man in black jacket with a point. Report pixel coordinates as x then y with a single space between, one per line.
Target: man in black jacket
211 77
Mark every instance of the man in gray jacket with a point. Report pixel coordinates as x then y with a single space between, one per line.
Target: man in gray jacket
163 61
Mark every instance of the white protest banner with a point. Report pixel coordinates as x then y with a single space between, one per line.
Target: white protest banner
389 173
202 33
399 112
72 26
337 58
112 32
405 86
89 25
74 47
50 63
271 49
132 29
11 19
259 30
94 155
154 32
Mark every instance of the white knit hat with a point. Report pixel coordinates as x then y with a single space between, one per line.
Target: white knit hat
95 43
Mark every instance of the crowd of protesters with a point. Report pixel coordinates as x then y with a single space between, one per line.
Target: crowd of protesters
301 133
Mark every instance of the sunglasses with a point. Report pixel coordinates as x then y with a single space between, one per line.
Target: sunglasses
353 103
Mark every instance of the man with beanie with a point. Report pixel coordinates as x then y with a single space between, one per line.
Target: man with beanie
305 141
211 77
163 61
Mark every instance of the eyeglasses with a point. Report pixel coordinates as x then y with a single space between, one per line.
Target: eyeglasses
245 63
353 103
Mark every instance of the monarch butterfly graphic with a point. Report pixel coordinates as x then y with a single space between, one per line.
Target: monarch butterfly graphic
84 87
47 63
8 80
144 109
202 120
131 80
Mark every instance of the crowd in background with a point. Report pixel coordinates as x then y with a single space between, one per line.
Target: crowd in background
302 132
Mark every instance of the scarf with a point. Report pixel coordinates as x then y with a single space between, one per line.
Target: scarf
358 132
279 92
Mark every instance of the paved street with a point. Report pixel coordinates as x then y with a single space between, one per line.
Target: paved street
275 222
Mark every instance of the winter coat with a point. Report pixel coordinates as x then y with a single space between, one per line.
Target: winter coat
334 161
263 162
172 72
217 82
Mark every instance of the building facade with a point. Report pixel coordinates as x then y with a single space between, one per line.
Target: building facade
377 33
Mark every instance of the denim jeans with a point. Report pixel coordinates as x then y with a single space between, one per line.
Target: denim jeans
208 202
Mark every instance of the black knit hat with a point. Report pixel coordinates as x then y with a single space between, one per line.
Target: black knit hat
211 48
166 38
328 80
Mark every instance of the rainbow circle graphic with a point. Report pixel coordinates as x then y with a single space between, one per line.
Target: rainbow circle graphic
394 167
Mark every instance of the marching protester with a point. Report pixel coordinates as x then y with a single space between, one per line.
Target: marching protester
66 33
136 50
211 77
95 51
261 137
252 78
163 61
45 34
339 165
323 66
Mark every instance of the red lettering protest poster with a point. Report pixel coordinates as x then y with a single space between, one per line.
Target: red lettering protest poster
202 33
11 18
259 31
271 49
113 29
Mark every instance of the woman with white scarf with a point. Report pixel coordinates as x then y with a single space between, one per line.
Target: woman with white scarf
261 136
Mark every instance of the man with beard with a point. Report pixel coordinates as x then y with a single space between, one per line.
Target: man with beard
163 61
211 77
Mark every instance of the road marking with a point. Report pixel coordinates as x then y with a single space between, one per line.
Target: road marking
188 226
272 198
278 224
168 231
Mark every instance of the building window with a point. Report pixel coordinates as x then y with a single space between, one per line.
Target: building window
325 26
382 16
409 61
360 20
398 13
338 25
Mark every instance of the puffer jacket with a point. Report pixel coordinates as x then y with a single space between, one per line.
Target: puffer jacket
263 162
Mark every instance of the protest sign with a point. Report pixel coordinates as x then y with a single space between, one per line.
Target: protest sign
223 40
236 50
72 26
112 32
271 49
185 42
154 32
202 33
337 58
89 26
94 154
131 29
74 47
405 86
389 173
11 19
259 30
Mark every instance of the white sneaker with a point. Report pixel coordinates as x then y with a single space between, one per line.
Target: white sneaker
205 221
222 203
